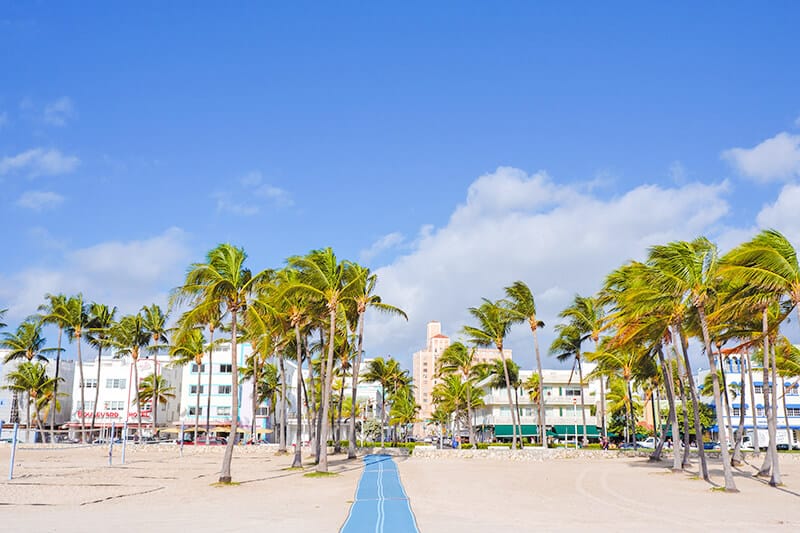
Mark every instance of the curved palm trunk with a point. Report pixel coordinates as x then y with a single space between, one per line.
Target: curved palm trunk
351 445
282 439
666 370
326 393
225 473
297 462
542 421
55 389
197 398
583 402
737 458
510 400
210 376
730 485
698 429
83 386
97 384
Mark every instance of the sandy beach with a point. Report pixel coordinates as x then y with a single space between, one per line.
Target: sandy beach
74 489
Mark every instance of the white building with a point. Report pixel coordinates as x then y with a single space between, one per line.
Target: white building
116 399
66 371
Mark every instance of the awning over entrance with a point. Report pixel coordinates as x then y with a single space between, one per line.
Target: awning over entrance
528 430
569 430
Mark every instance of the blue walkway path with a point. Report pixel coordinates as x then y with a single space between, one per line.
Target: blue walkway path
381 504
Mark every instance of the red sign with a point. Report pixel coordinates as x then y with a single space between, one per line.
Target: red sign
111 414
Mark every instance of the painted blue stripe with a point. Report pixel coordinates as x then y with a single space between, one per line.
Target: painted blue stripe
381 503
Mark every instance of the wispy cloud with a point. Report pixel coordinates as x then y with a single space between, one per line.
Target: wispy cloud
255 193
59 112
386 242
40 200
39 162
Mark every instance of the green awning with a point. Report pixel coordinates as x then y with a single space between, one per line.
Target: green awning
528 430
569 430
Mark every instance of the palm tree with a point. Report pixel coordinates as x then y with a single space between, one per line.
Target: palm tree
265 382
26 344
689 272
523 306
566 346
76 319
389 375
223 282
31 378
494 322
454 398
363 299
154 389
458 359
322 276
189 347
531 386
130 337
404 408
52 313
101 322
155 322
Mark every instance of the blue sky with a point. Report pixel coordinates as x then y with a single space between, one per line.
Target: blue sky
454 147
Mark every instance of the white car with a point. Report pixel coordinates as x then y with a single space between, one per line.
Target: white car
649 442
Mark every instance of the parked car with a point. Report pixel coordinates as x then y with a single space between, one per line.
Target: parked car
649 442
710 445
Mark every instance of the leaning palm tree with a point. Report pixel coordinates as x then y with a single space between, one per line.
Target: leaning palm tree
323 277
494 322
129 336
52 313
364 298
223 282
458 359
31 378
523 307
101 322
155 390
189 347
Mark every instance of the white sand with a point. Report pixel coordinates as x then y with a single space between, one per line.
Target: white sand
75 490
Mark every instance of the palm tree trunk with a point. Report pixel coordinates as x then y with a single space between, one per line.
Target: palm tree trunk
282 440
737 458
83 385
775 480
603 427
97 384
519 416
28 417
684 404
666 370
210 375
154 402
351 445
542 421
338 444
197 399
756 446
583 401
55 388
297 462
469 415
510 401
326 392
383 414
629 409
225 473
255 402
135 386
698 429
786 414
730 485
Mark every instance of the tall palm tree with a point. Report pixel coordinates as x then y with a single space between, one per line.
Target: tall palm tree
494 322
26 343
322 276
129 337
189 347
264 376
76 319
223 281
689 271
154 389
31 378
523 306
495 371
566 346
390 376
101 322
404 408
52 313
156 325
364 298
458 359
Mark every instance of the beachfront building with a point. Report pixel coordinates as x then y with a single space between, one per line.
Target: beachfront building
66 371
424 372
562 402
116 396
788 394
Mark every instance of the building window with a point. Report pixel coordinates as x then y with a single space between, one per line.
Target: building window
116 383
262 411
193 389
793 411
223 411
202 368
758 389
793 391
225 369
114 405
759 411
223 389
90 383
194 410
88 406
572 391
736 411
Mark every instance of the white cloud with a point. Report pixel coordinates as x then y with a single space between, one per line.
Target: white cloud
40 200
776 159
386 242
39 162
514 226
782 214
58 112
253 188
127 274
